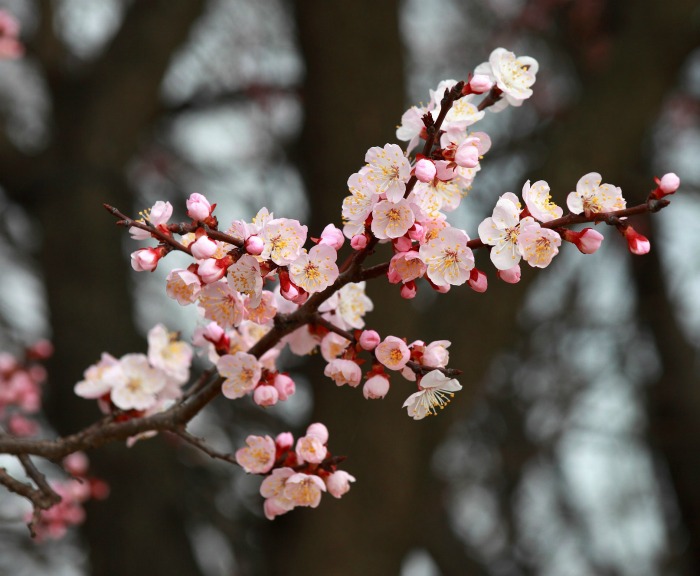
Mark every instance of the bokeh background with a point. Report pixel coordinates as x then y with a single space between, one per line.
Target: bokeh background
574 448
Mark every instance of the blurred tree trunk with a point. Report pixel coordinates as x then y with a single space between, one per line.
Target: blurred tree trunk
100 117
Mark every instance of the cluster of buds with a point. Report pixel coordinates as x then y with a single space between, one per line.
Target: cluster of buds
74 492
10 45
296 474
20 388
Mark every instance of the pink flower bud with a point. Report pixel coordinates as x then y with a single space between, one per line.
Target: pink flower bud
284 441
416 232
146 259
213 332
369 339
318 430
198 207
333 237
338 483
285 386
480 83
21 426
376 387
76 464
273 508
425 170
467 154
204 247
358 242
211 270
587 240
254 245
409 290
265 395
402 244
669 183
477 280
636 242
511 275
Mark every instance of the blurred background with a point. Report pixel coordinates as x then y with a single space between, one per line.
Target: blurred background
574 448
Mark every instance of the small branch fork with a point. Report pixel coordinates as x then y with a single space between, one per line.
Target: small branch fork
175 419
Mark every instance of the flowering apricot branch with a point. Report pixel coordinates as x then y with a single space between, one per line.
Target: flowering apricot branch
261 290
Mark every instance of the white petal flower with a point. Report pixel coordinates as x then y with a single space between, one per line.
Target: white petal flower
592 197
448 257
316 270
539 201
242 372
436 391
135 383
389 171
392 219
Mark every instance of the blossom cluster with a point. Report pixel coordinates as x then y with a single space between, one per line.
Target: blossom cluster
74 492
140 384
20 388
296 473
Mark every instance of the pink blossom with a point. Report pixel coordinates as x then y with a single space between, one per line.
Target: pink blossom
592 197
436 355
169 354
266 395
539 201
667 184
514 76
311 449
284 441
587 240
343 372
283 239
358 242
333 237
369 339
21 426
254 245
409 290
477 280
259 456
10 47
245 277
333 345
241 372
198 207
319 430
393 353
389 171
338 483
406 266
213 269
183 286
447 257
636 242
510 275
392 219
538 245
480 83
304 489
203 247
425 170
285 386
376 387
501 231
222 304
134 382
316 270
467 153
146 259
